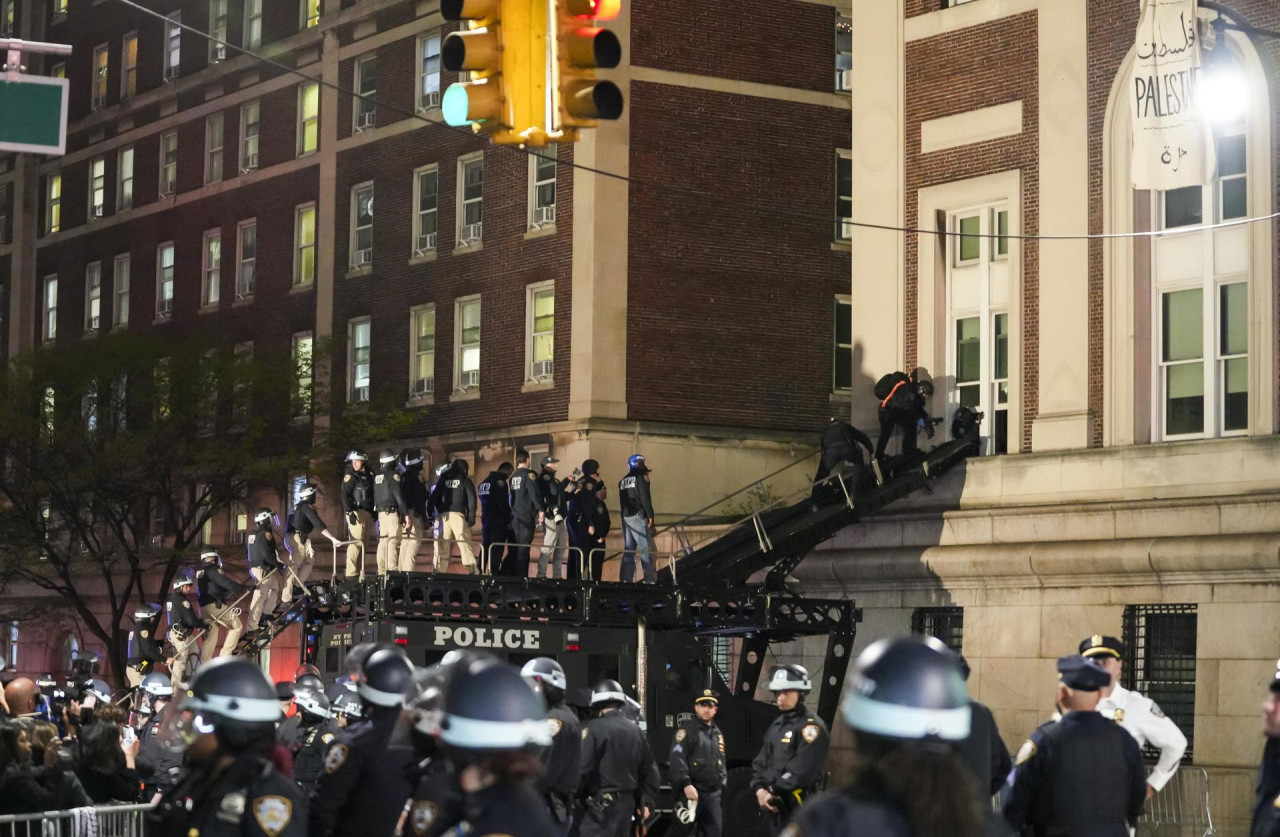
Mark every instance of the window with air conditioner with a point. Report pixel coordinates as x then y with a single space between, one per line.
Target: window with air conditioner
101 66
168 164
470 210
252 24
466 356
120 279
308 117
210 291
426 201
246 258
844 53
842 345
358 349
164 279
97 188
213 140
173 46
540 303
429 71
250 114
93 296
362 226
52 203
422 351
124 178
304 236
129 66
302 372
542 189
844 195
49 308
365 109
217 31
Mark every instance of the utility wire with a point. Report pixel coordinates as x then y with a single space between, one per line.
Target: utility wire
770 209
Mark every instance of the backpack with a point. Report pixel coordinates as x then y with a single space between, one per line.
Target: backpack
884 386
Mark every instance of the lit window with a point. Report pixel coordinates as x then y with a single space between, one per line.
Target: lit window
541 305
304 236
365 110
542 189
52 203
93 296
252 24
249 128
213 139
470 200
97 188
173 46
429 71
844 53
302 374
310 13
362 226
426 184
89 407
308 117
246 258
168 163
60 7
844 195
118 406
58 69
129 65
101 66
6 17
120 290
124 178
162 386
49 303
358 361
843 345
422 351
164 279
466 356
211 290
217 30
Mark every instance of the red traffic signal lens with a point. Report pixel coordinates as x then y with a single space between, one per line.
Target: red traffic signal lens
605 9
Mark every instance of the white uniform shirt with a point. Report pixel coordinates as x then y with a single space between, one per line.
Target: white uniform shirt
1142 718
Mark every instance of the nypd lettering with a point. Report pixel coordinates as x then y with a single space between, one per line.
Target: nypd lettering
465 637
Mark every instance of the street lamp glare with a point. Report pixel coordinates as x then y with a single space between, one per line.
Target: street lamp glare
1223 93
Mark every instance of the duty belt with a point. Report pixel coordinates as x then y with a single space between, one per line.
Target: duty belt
388 509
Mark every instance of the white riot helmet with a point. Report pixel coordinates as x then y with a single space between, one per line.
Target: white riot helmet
790 678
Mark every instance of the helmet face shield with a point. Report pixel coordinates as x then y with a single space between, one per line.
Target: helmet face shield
179 729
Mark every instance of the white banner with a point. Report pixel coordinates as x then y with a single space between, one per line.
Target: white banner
1172 141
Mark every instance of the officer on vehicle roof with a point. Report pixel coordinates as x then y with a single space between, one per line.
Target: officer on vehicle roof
793 761
637 521
562 761
413 485
393 514
495 514
527 510
265 567
229 787
556 539
215 594
617 767
697 769
454 500
357 505
305 521
144 650
184 624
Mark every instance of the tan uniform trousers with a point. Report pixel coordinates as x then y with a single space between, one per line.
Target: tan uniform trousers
265 596
304 560
409 542
134 677
362 527
185 653
221 617
388 540
455 529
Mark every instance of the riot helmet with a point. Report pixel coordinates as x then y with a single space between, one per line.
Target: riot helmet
211 556
488 707
307 493
312 702
306 682
608 692
790 678
384 677
410 457
386 457
157 685
546 676
908 688
264 517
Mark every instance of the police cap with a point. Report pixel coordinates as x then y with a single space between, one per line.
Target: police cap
1102 646
547 460
908 688
1082 673
710 696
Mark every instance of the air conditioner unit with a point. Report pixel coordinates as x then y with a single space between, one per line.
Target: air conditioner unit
94 323
424 386
170 73
846 228
469 380
98 211
249 163
359 395
245 281
846 79
365 120
426 243
471 233
164 307
542 369
168 188
218 52
362 258
430 100
544 216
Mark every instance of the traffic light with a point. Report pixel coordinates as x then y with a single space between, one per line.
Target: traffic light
580 48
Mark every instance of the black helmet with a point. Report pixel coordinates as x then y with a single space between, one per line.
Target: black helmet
387 456
907 688
461 466
211 556
308 682
424 699
264 515
607 691
347 705
144 614
489 707
306 668
546 676
410 457
385 676
157 684
790 678
358 654
233 689
307 493
312 702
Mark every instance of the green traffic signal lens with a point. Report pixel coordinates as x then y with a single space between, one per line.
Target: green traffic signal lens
455 105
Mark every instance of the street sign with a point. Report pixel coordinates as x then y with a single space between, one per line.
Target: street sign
33 114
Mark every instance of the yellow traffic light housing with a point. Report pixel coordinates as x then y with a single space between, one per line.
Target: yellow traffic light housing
580 48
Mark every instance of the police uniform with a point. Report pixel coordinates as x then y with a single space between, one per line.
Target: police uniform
213 592
903 408
495 520
562 762
505 809
697 758
1082 775
144 652
437 802
357 505
392 512
267 571
314 738
249 798
305 521
617 771
1266 803
455 502
793 761
840 454
1140 716
158 766
556 537
413 488
526 504
184 622
363 787
637 518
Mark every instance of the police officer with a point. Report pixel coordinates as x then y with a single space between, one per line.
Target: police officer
617 767
1140 716
316 731
697 769
637 521
1266 804
493 723
1082 775
527 510
144 650
437 801
184 624
357 505
229 787
793 761
906 703
904 407
363 787
840 454
556 538
561 762
158 762
265 567
455 502
413 487
305 521
983 750
214 594
494 493
598 525
393 514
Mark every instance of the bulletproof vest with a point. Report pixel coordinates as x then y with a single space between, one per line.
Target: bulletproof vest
361 489
384 487
300 522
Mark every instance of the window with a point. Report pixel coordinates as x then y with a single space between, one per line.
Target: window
101 65
301 354
211 285
844 195
239 521
310 13
842 345
246 258
118 403
542 189
49 316
844 53
97 188
164 279
213 139
358 361
173 46
365 111
249 127
978 282
308 117
89 407
6 18
470 199
943 623
362 225
426 199
93 296
304 237
1160 661
11 649
60 7
49 411
120 290
217 31
540 349
466 354
241 390
58 69
162 386
129 65
252 23
429 71
422 351
168 164
52 203
124 178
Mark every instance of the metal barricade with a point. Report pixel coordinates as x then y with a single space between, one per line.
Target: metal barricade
583 568
1183 805
99 821
333 571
